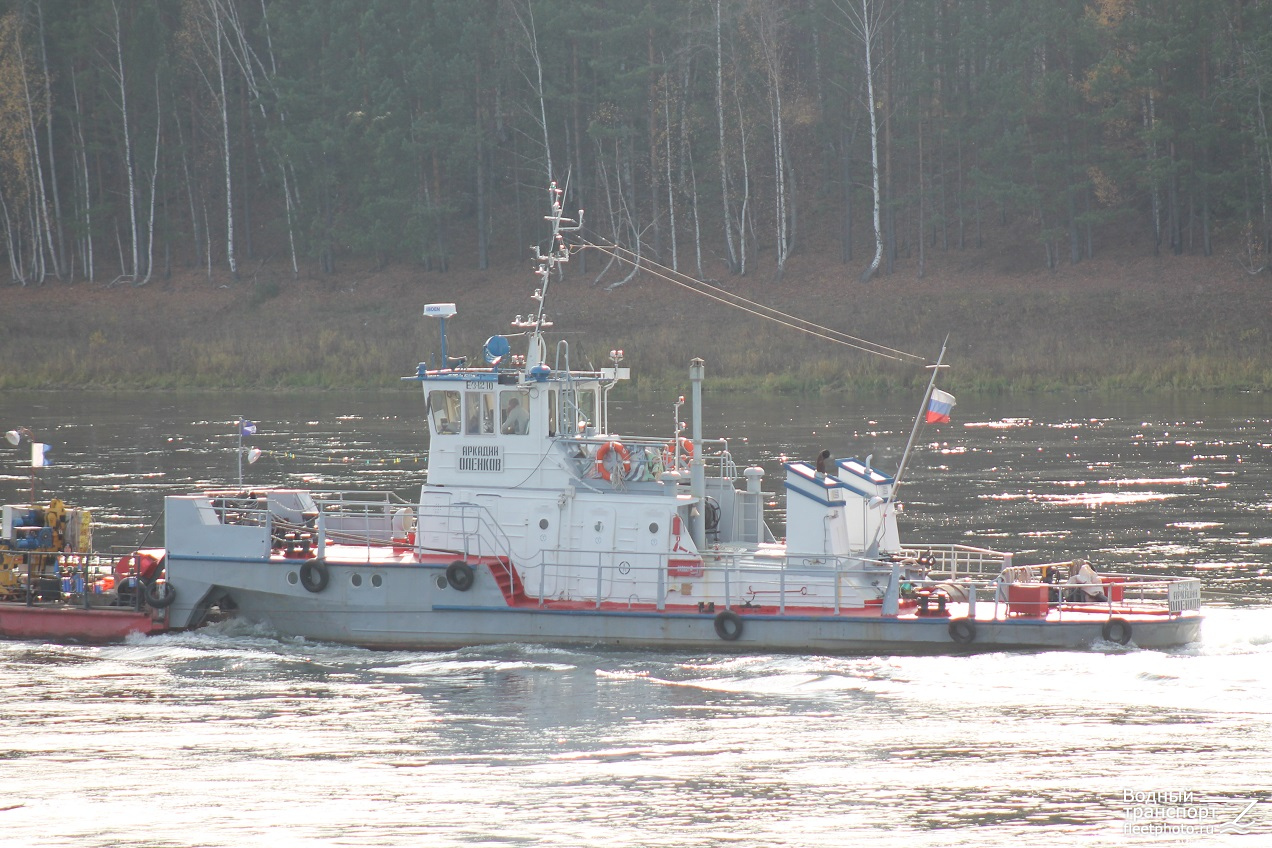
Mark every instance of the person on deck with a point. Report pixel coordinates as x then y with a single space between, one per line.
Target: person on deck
823 462
515 418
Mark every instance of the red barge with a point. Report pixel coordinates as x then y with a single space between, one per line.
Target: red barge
53 587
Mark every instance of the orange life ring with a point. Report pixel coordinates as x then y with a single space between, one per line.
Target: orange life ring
603 453
686 452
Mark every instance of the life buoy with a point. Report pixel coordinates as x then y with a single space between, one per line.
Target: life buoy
963 631
160 594
728 625
314 575
1117 630
460 575
602 454
686 452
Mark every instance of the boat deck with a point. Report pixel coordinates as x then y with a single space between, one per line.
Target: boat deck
1039 609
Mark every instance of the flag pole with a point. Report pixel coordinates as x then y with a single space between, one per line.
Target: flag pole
240 451
918 419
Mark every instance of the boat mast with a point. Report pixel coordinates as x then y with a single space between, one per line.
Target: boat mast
558 254
918 419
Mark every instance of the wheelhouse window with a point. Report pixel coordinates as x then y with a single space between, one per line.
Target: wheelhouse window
514 412
444 408
479 413
586 408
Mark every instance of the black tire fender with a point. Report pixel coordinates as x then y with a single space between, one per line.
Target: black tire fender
314 575
963 631
1117 630
460 575
160 594
728 625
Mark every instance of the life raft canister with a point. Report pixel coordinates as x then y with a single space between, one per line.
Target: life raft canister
602 467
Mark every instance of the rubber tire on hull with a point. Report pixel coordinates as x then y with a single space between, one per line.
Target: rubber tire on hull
160 595
1117 631
728 625
963 631
460 575
314 575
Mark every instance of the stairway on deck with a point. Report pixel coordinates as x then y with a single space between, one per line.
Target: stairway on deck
509 581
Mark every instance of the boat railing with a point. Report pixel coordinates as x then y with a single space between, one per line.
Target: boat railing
955 561
480 535
838 584
1018 591
85 579
358 500
646 457
733 579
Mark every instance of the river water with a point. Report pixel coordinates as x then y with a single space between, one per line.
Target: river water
232 736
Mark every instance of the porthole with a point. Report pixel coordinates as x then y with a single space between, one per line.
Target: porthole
440 581
293 578
543 524
653 527
356 580
377 580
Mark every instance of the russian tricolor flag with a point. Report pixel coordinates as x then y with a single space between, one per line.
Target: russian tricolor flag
939 407
40 455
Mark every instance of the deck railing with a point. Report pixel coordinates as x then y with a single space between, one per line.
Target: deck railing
731 578
85 579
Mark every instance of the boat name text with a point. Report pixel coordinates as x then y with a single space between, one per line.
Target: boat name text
481 458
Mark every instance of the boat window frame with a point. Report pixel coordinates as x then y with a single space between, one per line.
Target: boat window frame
444 406
479 412
522 396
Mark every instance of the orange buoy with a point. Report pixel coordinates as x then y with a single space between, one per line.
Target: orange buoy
602 467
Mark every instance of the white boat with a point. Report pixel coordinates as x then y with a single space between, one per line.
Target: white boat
538 523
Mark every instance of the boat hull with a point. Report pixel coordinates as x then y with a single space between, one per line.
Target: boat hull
413 607
61 623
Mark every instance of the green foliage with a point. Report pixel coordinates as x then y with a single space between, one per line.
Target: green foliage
372 132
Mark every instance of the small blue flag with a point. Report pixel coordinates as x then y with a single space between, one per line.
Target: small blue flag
247 428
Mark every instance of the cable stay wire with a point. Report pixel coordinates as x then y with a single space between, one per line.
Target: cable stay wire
760 310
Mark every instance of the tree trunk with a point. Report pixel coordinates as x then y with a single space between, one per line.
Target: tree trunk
59 256
867 34
671 200
89 270
43 228
225 139
731 255
128 153
655 214
922 195
154 182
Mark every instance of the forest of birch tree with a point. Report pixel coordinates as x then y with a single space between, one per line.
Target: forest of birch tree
141 138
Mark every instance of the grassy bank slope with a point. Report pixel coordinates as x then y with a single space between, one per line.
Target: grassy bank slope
1141 323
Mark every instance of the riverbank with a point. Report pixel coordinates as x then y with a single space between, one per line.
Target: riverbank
1130 324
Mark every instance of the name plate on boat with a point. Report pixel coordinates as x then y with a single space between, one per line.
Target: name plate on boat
1184 595
481 458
